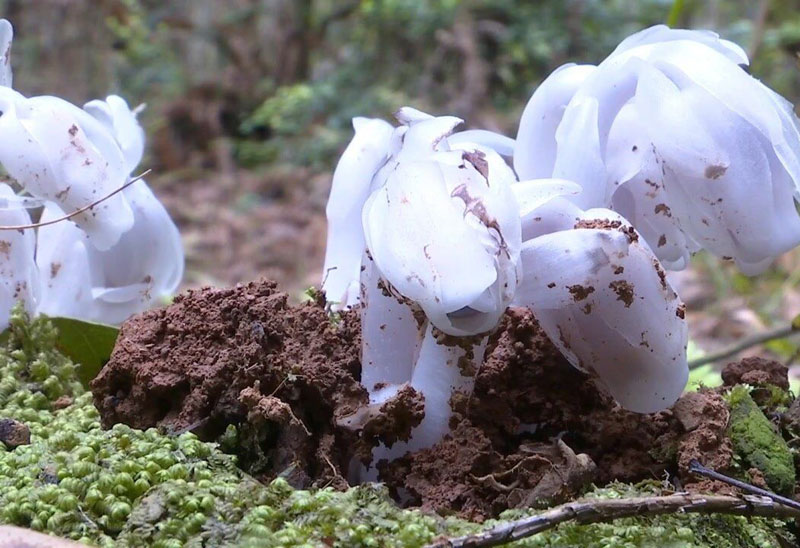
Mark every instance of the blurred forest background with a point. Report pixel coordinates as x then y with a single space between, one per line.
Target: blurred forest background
249 105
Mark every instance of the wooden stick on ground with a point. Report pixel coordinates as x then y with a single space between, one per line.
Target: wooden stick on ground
605 510
780 332
696 468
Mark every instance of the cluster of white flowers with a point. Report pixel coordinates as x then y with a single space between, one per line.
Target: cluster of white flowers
666 147
106 263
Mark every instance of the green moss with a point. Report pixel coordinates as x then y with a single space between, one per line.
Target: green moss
757 443
126 488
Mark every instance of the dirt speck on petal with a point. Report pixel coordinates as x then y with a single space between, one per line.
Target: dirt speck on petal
715 171
624 291
580 292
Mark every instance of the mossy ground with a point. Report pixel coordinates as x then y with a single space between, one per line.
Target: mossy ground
126 487
758 443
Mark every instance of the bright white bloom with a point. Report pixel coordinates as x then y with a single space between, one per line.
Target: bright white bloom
602 297
105 264
673 134
79 280
423 208
437 237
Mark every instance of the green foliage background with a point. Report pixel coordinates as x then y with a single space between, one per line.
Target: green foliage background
291 73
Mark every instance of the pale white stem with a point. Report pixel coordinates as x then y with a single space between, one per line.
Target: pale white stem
437 375
390 336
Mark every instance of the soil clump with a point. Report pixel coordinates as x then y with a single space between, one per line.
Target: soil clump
242 356
535 430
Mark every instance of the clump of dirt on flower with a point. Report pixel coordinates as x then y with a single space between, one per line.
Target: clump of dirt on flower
279 384
280 374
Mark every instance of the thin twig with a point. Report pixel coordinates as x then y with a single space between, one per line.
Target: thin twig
77 211
696 468
745 343
605 510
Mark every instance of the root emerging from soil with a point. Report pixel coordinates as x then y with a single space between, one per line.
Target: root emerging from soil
535 431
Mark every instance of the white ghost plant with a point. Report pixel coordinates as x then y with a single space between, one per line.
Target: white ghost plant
673 133
435 238
106 263
424 234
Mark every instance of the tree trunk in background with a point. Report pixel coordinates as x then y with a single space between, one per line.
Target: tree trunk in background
294 50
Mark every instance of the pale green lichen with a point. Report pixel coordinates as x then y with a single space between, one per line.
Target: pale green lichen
757 443
127 488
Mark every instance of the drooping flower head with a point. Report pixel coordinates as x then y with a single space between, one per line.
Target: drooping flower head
602 297
671 132
145 264
106 263
427 209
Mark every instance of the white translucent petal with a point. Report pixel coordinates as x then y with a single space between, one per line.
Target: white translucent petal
691 63
660 34
555 214
409 116
640 196
109 286
535 148
62 258
18 274
601 297
532 194
15 201
579 155
349 191
425 136
58 152
6 37
121 121
418 238
501 144
736 195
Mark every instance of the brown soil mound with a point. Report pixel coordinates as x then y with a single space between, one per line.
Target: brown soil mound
242 356
535 430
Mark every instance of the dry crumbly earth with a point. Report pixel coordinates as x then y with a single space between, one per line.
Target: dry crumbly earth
278 384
